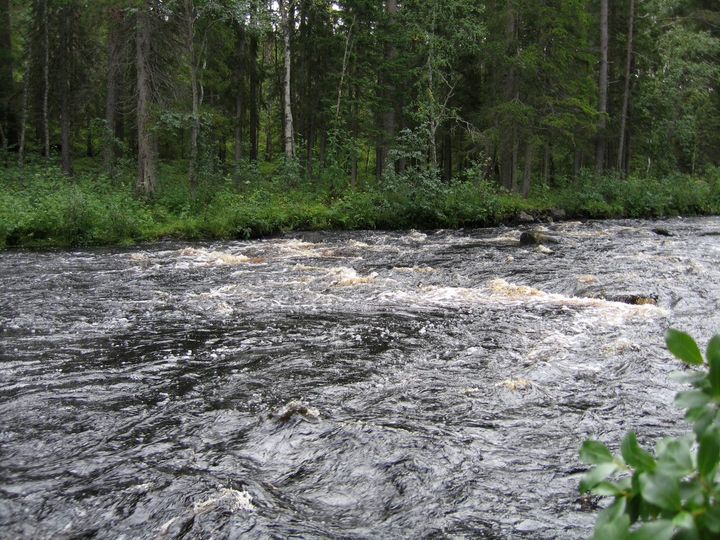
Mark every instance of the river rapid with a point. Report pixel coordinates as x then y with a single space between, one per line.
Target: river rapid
354 385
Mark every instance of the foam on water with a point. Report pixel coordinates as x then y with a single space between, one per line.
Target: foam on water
361 384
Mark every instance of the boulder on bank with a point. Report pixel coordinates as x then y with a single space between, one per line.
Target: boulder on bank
524 217
536 238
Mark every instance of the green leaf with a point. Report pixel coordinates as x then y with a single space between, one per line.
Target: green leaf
595 452
692 495
608 489
713 357
693 378
705 418
661 490
683 347
691 399
596 475
635 456
711 519
684 520
675 458
661 529
709 454
612 523
614 530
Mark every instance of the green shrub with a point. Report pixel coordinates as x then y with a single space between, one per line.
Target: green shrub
676 492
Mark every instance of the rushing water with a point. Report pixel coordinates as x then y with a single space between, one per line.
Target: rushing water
356 385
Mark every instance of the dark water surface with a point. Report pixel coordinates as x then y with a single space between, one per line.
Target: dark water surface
355 385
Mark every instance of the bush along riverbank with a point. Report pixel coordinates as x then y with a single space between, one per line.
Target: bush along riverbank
675 493
41 207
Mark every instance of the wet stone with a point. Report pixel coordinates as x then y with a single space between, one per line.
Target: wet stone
532 238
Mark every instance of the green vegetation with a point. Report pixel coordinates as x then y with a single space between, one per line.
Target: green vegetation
237 118
41 207
676 493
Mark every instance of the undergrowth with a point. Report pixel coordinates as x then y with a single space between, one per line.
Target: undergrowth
39 206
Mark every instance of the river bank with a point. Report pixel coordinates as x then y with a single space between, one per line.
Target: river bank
39 207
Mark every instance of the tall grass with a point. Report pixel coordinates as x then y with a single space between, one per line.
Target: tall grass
39 206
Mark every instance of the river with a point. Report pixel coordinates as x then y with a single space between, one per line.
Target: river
354 385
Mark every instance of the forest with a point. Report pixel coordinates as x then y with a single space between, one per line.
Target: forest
125 120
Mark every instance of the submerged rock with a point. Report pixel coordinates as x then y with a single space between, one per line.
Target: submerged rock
534 238
661 231
295 408
632 298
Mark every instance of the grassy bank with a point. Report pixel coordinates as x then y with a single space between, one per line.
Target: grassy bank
39 207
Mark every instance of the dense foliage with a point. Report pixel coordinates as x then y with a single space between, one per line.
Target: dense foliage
676 492
509 83
40 206
242 117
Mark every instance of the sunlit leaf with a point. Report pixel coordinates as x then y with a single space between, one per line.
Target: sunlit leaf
596 475
711 519
661 490
709 453
612 523
595 452
691 399
713 357
675 458
635 456
683 347
661 529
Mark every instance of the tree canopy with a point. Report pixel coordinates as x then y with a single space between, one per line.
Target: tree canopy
516 86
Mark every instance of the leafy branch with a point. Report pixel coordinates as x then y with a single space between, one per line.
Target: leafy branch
674 494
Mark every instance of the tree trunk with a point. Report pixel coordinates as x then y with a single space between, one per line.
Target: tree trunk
447 156
146 148
190 17
546 164
89 148
46 80
514 165
65 101
288 133
238 126
389 119
7 84
577 163
528 168
254 98
24 109
268 135
343 72
626 89
355 127
389 122
603 88
114 46
509 149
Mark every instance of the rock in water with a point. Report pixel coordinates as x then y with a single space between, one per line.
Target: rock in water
534 238
632 298
295 408
524 217
662 231
635 299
